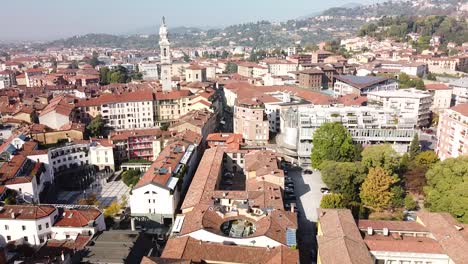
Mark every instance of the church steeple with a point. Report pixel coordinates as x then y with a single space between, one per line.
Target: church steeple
166 68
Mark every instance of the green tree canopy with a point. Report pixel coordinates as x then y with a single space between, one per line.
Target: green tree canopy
332 142
96 126
231 68
383 156
332 200
447 185
414 148
344 178
426 158
376 190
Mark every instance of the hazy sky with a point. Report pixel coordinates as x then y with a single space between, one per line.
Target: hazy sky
50 19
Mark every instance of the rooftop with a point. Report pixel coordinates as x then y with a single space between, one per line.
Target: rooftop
361 82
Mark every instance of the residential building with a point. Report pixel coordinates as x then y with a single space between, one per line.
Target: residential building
278 66
452 132
251 121
361 85
7 79
156 196
311 79
36 224
57 113
230 140
251 69
119 111
144 144
367 125
411 101
25 176
170 106
202 122
319 56
235 196
441 96
460 90
149 71
195 73
433 238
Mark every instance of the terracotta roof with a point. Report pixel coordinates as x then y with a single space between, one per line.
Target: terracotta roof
26 212
391 225
173 95
461 108
165 164
107 98
195 67
339 233
403 244
437 86
197 118
125 134
191 249
59 105
361 82
77 217
446 230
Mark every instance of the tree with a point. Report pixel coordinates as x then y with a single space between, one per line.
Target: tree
103 76
447 185
376 190
332 200
398 196
383 156
94 61
426 158
410 203
332 142
344 178
414 148
131 177
231 68
112 210
96 126
432 77
91 199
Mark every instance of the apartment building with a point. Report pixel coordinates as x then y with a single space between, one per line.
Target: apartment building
135 144
234 206
251 121
434 238
149 71
36 224
452 132
170 106
250 69
361 85
195 73
202 122
156 196
441 96
120 111
319 56
367 125
279 67
411 101
7 79
57 113
460 90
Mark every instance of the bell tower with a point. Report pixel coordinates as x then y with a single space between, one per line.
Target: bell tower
166 68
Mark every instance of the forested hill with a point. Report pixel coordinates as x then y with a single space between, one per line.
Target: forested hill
451 29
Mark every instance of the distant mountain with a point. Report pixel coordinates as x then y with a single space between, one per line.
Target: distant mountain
333 23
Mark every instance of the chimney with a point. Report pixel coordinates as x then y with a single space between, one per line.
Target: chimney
370 231
385 231
13 216
170 169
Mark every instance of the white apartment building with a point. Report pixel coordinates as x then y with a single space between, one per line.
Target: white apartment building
120 111
149 71
411 101
35 224
155 198
361 85
367 125
7 79
460 90
441 96
279 67
80 153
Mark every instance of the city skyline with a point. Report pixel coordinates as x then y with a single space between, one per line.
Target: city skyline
45 20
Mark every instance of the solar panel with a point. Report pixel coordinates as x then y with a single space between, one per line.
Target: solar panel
291 237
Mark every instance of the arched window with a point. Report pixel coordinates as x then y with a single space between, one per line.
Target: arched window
165 52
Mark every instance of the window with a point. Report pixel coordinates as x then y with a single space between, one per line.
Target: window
8 238
39 227
47 225
23 227
6 227
149 200
41 239
25 239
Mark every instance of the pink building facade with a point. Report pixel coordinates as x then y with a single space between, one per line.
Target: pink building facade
452 132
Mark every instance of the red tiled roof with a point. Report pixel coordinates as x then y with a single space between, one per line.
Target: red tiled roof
437 86
461 108
26 212
107 98
173 95
59 105
77 217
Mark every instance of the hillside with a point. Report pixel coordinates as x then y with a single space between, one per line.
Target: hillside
334 23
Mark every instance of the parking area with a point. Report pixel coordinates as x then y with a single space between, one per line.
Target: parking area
308 196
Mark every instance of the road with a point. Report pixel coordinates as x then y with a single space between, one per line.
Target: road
307 190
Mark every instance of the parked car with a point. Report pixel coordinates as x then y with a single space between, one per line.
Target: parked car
308 171
324 190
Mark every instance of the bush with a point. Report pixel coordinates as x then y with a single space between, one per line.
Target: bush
410 203
131 177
